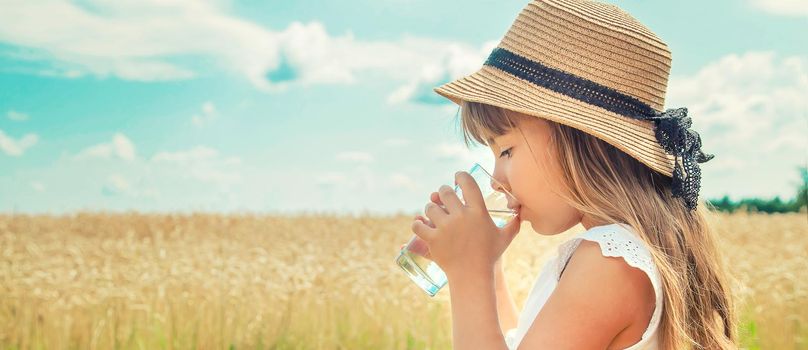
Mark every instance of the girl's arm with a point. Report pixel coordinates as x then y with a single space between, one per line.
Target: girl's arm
474 314
506 307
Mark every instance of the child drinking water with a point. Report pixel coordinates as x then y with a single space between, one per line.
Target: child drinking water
571 105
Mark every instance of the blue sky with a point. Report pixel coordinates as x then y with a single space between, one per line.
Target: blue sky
327 106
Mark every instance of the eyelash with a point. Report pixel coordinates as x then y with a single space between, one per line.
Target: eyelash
508 151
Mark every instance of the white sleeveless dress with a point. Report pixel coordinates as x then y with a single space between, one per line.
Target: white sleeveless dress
615 240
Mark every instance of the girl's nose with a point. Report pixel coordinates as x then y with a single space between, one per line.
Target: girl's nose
497 186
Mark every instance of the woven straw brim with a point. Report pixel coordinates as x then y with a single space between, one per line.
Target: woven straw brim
492 86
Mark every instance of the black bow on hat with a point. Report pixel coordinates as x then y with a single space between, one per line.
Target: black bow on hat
674 135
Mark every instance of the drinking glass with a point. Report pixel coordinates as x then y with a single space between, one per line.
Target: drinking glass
425 272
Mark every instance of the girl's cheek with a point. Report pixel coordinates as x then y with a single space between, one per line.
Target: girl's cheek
522 181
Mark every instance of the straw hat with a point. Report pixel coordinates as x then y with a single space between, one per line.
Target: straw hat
594 67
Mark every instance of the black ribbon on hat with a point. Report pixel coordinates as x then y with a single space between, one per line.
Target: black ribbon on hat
674 134
672 127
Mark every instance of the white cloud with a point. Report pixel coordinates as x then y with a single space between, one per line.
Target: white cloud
460 157
215 175
119 147
199 177
459 151
450 62
727 163
37 186
232 161
793 8
126 39
202 163
151 41
395 142
450 108
206 116
402 181
793 140
749 96
195 154
16 147
356 157
451 151
330 179
17 116
751 112
117 184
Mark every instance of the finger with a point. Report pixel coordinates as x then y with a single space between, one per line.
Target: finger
435 213
435 197
418 246
471 191
449 198
425 220
422 230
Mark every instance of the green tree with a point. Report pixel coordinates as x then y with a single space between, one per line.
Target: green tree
775 205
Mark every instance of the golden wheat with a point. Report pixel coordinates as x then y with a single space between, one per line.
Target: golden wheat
207 281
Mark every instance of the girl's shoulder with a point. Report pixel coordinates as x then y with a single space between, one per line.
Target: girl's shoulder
604 286
614 240
621 241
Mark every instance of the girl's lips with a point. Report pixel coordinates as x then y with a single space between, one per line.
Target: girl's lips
519 212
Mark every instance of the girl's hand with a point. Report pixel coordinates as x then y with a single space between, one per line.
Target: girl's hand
418 245
463 239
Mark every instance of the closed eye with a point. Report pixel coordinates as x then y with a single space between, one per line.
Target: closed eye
508 151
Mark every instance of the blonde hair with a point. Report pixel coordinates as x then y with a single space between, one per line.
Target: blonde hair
607 184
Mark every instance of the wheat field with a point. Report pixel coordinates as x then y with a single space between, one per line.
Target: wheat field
208 281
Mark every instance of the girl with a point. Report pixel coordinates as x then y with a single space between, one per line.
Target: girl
570 103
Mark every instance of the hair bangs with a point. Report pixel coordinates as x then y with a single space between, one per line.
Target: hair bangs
483 122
